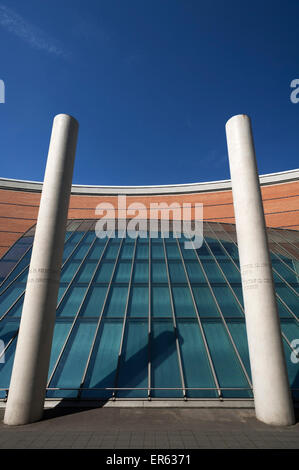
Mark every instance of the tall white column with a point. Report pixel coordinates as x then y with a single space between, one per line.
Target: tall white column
273 404
30 370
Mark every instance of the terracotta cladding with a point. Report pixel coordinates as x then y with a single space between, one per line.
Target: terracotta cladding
19 209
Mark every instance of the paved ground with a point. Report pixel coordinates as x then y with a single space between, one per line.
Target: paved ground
133 428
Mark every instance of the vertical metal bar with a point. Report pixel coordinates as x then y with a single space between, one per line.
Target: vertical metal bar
174 323
100 319
124 322
211 364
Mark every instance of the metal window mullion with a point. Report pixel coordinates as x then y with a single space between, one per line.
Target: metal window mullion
124 321
174 323
76 317
276 294
223 318
100 319
149 364
286 282
210 360
285 264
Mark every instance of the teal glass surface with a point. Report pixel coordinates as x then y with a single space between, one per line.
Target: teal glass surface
104 272
102 368
197 371
291 329
182 301
140 272
116 302
8 297
61 331
127 251
230 271
227 302
204 301
123 271
81 251
212 271
111 251
157 251
96 251
172 251
86 271
69 271
288 296
6 367
8 329
188 253
71 367
237 329
94 301
138 302
164 360
194 271
16 271
161 306
284 271
227 366
176 272
159 273
142 251
133 371
71 301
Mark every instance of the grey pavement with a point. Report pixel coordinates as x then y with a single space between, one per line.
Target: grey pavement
158 428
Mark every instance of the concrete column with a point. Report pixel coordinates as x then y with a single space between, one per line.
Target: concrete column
30 370
273 404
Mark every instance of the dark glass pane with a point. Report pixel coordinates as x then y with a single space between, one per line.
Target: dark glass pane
204 301
140 272
176 271
165 367
103 363
197 371
159 273
71 366
237 329
194 271
227 366
183 304
9 297
157 251
161 306
71 302
86 271
227 303
123 271
61 331
133 370
94 301
116 302
212 271
104 272
138 303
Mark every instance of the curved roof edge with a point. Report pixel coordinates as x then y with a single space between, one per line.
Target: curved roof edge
209 186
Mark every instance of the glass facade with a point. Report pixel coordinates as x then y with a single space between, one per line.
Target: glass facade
149 318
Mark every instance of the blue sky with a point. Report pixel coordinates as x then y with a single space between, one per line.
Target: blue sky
151 82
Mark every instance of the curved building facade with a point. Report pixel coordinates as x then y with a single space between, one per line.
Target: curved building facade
146 318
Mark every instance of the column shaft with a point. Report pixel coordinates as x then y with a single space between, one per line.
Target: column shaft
272 398
30 370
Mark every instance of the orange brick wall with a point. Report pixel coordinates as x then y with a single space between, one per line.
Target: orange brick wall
19 209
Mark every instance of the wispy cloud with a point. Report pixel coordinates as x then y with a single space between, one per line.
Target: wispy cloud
34 36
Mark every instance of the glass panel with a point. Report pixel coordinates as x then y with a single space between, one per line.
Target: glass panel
71 366
86 271
21 265
230 271
140 273
94 301
10 296
127 251
204 301
157 251
61 331
116 302
291 330
71 302
103 363
161 306
237 329
212 271
288 297
81 251
227 366
195 272
6 367
182 300
8 329
69 270
172 251
142 251
286 273
176 272
138 303
227 302
197 372
159 273
111 251
96 252
165 368
133 370
123 271
104 272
